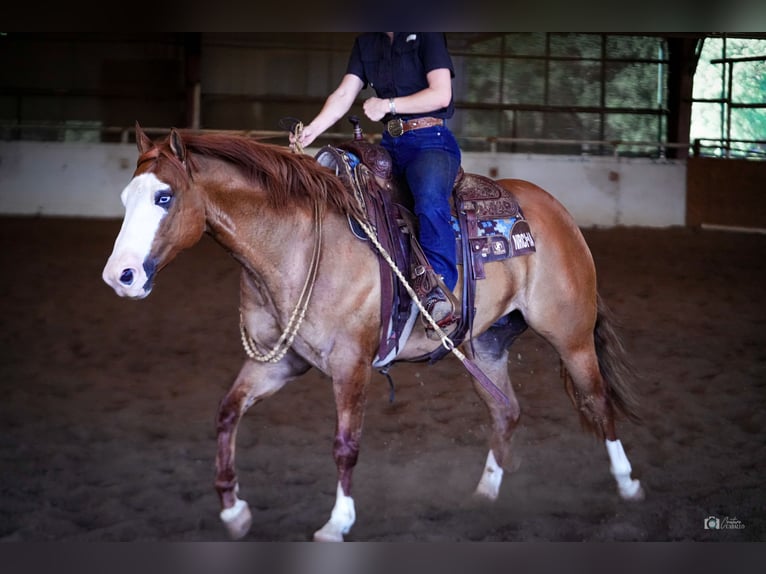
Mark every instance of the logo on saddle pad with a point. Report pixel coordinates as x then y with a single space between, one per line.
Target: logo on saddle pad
521 238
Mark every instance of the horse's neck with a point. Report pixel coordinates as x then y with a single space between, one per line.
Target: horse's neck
266 243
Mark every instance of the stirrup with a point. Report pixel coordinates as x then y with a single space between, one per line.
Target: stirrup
435 303
440 294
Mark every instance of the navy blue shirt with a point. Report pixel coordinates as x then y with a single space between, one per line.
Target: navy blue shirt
399 68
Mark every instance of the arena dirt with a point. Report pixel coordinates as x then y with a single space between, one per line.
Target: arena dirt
108 407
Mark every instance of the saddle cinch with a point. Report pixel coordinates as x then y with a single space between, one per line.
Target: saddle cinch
488 223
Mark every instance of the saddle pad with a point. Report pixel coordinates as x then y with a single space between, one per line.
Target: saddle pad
500 238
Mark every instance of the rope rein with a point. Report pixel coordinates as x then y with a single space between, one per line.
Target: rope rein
445 340
296 144
279 350
285 341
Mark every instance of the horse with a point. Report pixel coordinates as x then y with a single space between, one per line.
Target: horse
310 295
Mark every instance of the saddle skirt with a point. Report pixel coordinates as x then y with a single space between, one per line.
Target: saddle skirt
486 218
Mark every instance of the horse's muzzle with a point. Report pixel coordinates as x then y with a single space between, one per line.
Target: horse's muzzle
128 278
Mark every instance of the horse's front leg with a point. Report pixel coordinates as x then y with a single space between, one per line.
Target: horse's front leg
350 390
255 382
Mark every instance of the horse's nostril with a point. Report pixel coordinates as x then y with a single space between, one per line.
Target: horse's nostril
127 277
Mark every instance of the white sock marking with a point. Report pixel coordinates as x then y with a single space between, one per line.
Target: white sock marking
491 478
621 469
341 520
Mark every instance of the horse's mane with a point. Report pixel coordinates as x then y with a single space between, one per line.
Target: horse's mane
290 179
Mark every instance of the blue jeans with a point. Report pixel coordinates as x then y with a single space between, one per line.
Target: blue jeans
428 160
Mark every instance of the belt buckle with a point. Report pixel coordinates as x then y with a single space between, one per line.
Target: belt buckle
395 127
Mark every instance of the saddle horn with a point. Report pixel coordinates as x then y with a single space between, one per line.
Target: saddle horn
357 128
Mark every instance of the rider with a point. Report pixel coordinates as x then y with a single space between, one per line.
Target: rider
411 73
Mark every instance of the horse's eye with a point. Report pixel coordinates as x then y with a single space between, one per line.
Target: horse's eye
163 198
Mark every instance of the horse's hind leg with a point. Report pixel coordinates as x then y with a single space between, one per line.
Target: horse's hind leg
255 382
490 352
597 380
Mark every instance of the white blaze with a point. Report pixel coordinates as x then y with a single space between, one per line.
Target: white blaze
139 227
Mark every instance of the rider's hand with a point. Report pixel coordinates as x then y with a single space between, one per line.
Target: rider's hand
306 136
375 108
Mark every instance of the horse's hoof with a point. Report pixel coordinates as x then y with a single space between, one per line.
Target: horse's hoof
326 534
237 519
632 491
486 493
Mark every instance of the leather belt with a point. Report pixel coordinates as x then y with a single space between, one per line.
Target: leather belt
397 126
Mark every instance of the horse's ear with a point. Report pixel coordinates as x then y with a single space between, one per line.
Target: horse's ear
177 145
143 142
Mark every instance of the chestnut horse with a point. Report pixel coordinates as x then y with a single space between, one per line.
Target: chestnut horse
310 297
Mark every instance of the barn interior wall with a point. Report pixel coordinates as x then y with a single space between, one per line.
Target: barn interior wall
85 180
727 192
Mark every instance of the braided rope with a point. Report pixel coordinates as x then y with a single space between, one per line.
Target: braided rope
445 340
297 131
279 350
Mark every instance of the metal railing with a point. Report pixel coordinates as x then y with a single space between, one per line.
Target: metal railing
701 147
729 148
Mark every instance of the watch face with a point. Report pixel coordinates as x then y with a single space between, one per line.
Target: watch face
395 127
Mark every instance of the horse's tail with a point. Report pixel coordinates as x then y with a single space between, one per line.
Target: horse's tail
616 370
618 373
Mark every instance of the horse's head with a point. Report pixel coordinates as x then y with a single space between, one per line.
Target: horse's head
164 214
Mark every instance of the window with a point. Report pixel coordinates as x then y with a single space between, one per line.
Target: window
729 107
546 86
